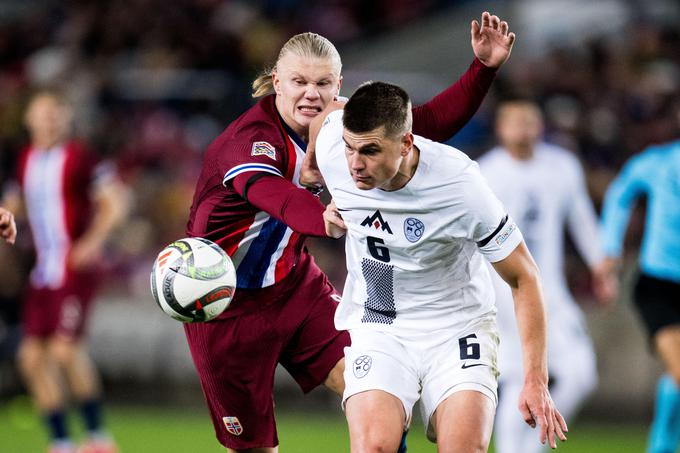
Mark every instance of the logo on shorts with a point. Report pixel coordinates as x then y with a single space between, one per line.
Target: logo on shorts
466 365
263 149
413 229
233 425
362 365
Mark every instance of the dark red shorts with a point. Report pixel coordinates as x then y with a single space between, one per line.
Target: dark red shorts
236 355
58 311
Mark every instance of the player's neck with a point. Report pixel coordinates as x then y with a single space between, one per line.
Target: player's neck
46 142
407 169
521 152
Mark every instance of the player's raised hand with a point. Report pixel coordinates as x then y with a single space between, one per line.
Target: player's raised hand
8 227
335 226
537 407
491 40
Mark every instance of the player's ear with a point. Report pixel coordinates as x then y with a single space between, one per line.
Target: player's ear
337 93
407 143
276 82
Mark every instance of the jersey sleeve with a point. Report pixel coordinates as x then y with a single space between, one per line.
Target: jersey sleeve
631 183
256 156
447 113
581 217
484 218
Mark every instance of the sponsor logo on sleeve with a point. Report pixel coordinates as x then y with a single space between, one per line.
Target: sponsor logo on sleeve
501 238
263 149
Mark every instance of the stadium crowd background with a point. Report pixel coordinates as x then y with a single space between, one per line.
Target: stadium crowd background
154 82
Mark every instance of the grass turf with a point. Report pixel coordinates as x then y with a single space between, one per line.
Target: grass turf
151 430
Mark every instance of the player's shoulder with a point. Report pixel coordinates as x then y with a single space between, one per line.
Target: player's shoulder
257 131
660 151
441 158
555 156
494 157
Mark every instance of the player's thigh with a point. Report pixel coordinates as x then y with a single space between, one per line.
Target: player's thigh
667 342
570 350
376 421
378 361
464 361
32 354
314 350
463 422
235 359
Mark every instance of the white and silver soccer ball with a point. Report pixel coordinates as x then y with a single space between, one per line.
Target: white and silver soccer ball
193 280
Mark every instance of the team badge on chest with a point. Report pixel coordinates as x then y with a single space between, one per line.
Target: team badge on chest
233 425
413 229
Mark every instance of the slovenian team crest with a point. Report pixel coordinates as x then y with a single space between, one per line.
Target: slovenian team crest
413 229
233 425
362 365
263 149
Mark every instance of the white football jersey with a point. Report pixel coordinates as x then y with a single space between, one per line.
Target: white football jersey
544 194
415 255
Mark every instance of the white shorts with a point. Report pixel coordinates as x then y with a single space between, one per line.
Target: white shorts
429 366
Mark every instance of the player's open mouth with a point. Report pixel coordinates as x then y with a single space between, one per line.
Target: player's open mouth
312 111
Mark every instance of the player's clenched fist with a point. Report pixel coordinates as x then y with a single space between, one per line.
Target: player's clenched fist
8 228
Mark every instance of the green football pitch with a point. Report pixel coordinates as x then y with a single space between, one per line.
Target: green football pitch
151 430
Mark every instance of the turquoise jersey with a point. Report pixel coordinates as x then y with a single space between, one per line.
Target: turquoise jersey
654 173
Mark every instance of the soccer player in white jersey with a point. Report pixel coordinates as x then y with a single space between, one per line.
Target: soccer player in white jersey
418 302
543 188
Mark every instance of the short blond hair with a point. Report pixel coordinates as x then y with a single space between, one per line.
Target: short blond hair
307 45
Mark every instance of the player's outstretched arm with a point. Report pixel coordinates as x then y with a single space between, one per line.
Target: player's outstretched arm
8 227
445 114
491 40
535 404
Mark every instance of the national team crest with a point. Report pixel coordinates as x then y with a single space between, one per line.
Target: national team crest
263 149
413 229
362 365
376 221
233 425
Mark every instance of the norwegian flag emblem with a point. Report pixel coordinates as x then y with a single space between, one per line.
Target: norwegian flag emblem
233 425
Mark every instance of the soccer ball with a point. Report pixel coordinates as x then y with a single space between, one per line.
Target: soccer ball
193 280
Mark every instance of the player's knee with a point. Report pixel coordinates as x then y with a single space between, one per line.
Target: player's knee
63 352
379 444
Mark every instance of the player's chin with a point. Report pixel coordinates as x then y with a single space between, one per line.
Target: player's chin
363 184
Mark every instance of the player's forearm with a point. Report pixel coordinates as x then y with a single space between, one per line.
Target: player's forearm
112 204
450 110
278 197
531 323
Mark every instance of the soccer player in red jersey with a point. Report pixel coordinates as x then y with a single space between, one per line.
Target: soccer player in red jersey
72 204
250 201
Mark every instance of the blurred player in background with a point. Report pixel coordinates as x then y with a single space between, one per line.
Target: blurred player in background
654 174
418 302
250 201
543 188
71 204
8 227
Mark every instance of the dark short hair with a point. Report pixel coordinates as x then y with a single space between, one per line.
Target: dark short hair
377 104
